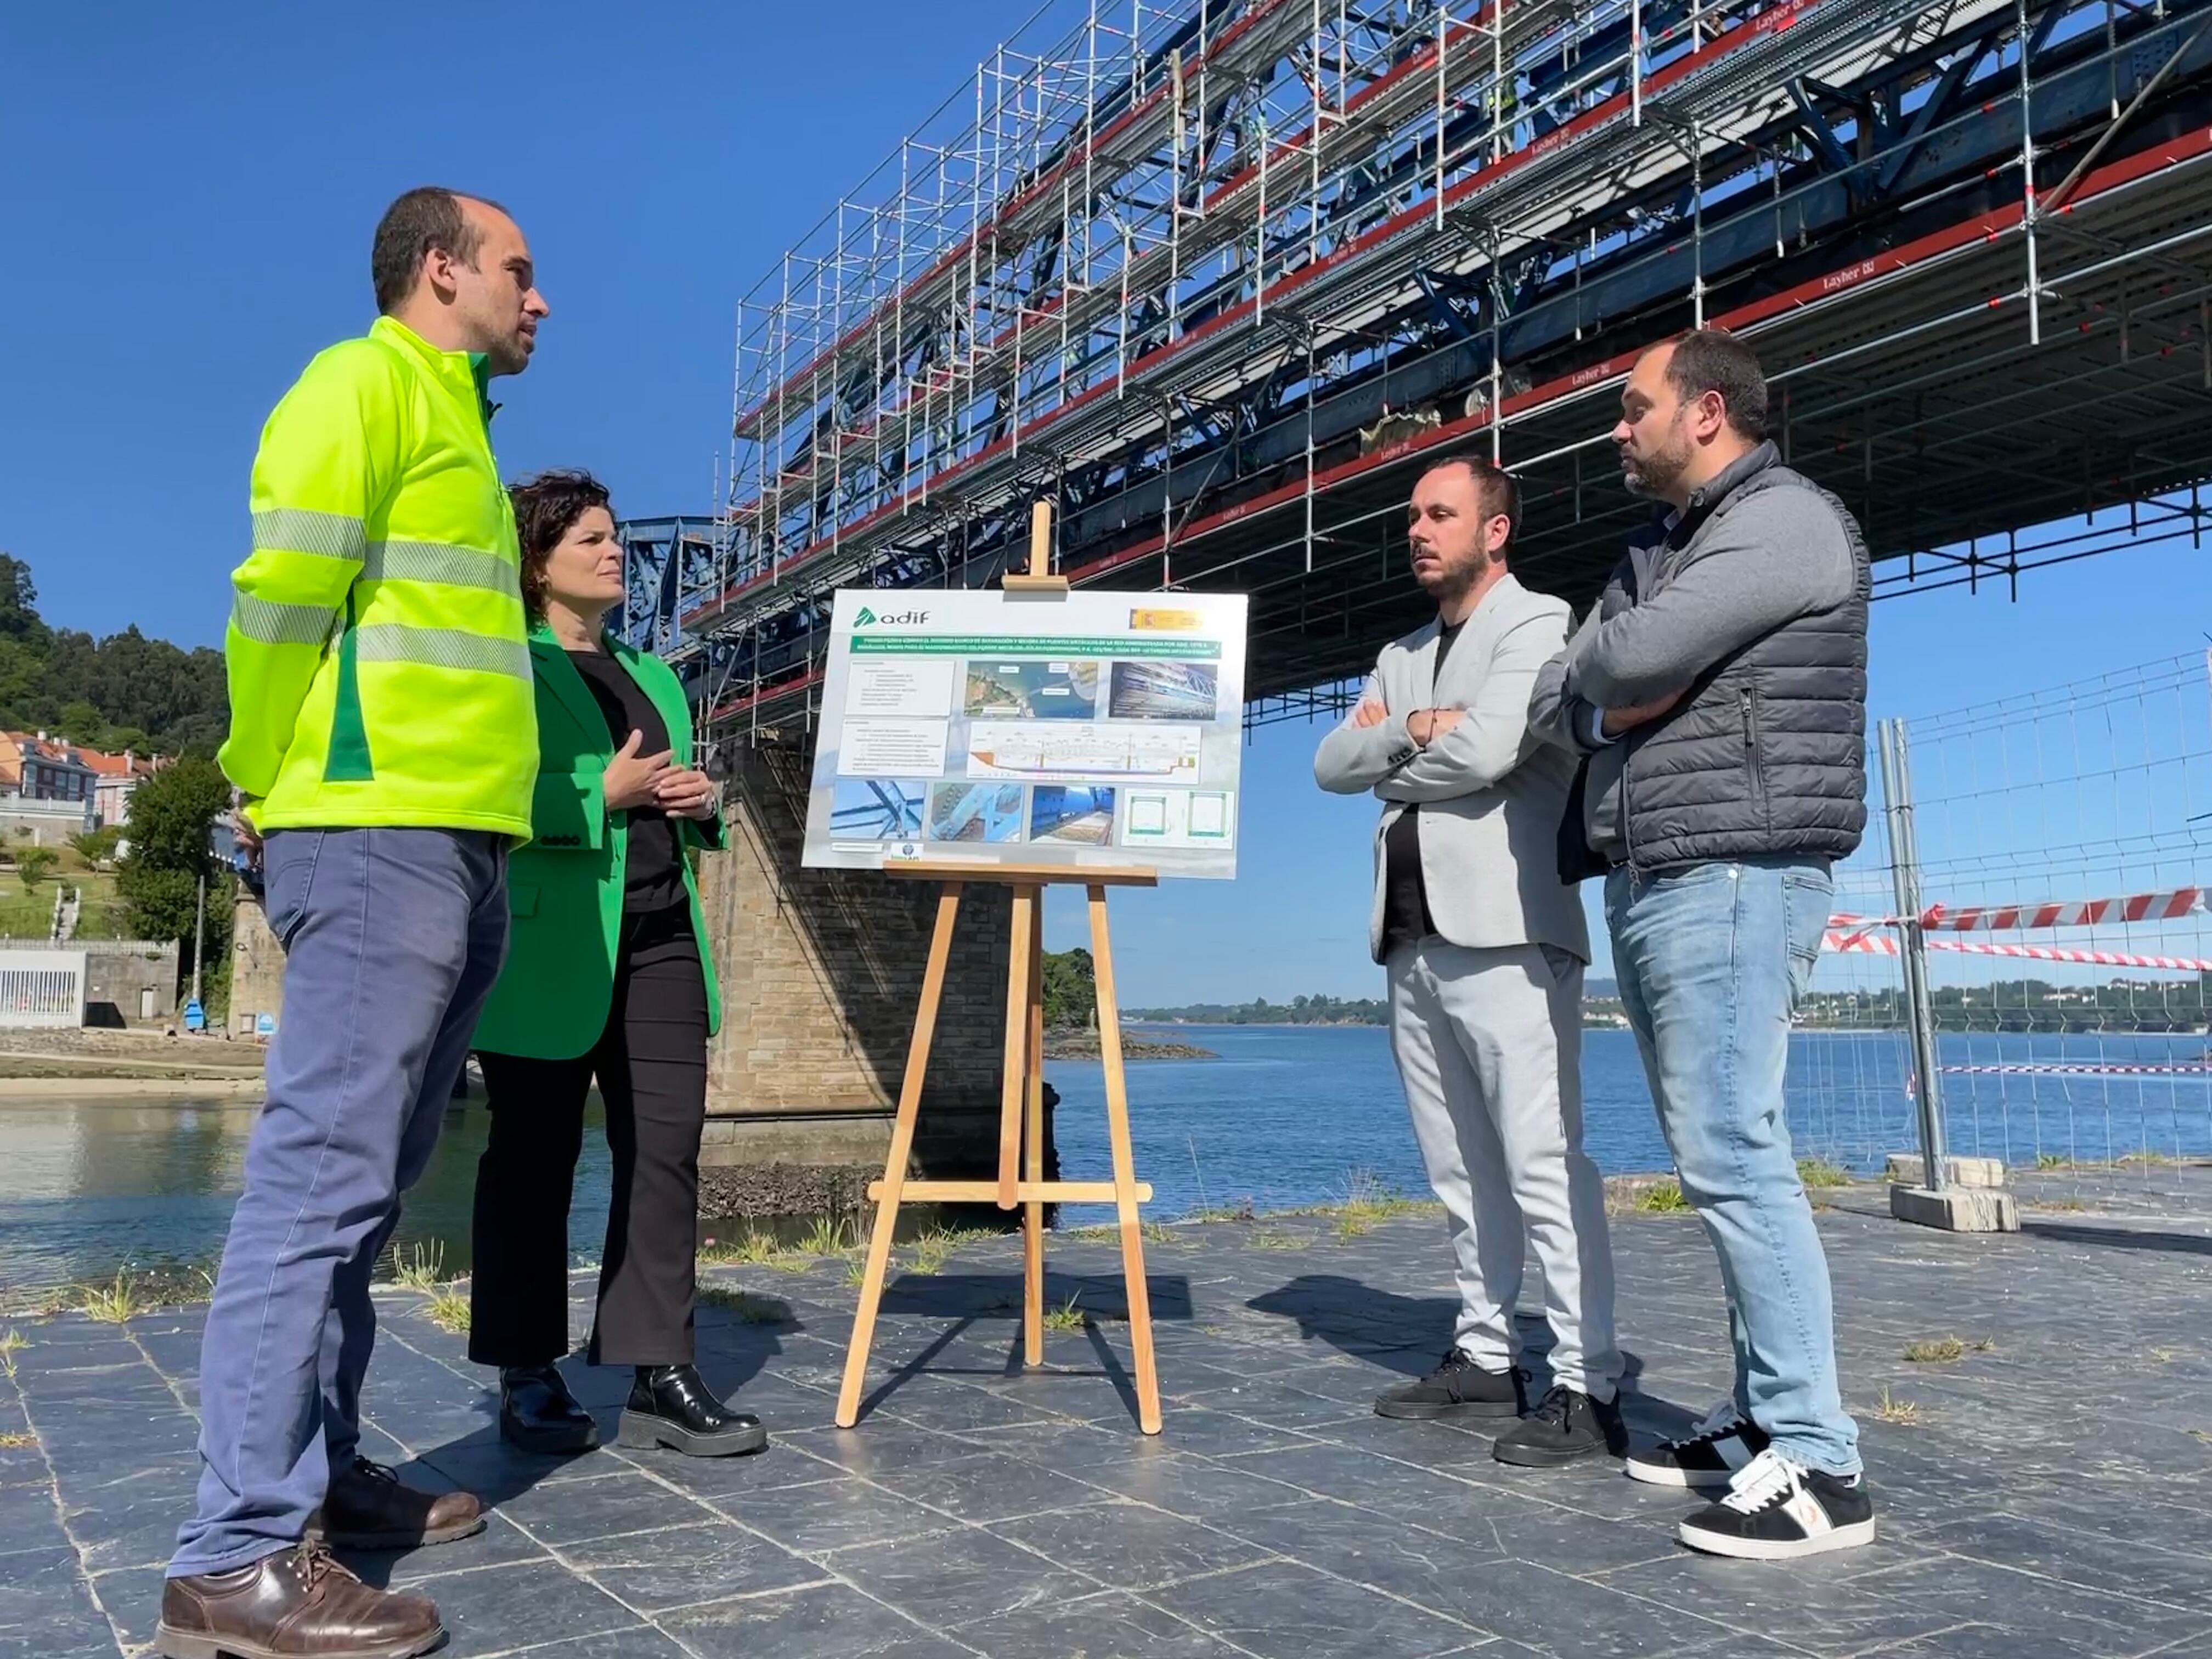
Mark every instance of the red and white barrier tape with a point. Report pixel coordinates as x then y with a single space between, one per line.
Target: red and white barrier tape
1865 943
2006 918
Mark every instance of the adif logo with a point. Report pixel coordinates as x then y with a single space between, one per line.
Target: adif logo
868 618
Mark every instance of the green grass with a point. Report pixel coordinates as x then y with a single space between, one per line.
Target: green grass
1068 1316
755 1249
1095 1235
928 1253
745 1307
1264 1241
826 1238
448 1309
1242 1210
1662 1197
16 1440
1902 1414
1819 1172
12 1342
113 1303
421 1268
1937 1351
2053 1161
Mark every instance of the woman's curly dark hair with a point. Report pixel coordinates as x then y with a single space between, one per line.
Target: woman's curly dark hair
546 509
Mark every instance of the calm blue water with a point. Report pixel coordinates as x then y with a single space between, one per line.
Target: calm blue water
1284 1116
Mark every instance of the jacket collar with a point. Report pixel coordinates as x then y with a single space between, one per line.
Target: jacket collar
555 669
467 373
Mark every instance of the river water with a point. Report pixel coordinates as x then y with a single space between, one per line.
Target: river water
1284 1115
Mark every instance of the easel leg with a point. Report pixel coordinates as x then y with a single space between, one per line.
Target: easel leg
1014 1072
1033 1210
887 1202
1125 1171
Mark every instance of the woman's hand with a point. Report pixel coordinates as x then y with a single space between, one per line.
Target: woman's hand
632 779
683 794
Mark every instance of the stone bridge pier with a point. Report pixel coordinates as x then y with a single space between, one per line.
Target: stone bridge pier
821 971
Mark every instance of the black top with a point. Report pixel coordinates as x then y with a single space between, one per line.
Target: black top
654 870
1406 918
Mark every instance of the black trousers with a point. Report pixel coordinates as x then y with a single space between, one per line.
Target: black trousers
651 1064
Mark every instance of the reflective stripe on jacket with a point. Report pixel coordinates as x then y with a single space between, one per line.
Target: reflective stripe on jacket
378 655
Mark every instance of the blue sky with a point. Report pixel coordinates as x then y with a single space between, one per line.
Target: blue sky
189 216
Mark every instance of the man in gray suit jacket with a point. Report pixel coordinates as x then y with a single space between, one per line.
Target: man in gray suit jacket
1485 946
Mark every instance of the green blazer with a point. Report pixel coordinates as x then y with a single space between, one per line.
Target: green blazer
564 888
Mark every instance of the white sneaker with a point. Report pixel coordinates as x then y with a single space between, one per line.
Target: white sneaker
1777 1509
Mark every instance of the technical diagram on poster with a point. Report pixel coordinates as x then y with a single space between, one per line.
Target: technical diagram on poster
1089 730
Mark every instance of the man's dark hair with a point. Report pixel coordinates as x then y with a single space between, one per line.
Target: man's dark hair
426 219
1714 359
546 509
1501 496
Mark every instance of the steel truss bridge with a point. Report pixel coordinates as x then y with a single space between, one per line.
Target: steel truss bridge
1217 278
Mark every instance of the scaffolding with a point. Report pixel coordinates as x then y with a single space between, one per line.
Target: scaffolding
1215 278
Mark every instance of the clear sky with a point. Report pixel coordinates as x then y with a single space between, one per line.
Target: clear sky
188 206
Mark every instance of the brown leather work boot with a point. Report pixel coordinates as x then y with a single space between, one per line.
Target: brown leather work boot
366 1508
295 1604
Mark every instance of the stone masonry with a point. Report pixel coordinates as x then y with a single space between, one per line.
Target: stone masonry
821 972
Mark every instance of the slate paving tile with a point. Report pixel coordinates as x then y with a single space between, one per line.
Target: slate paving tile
881 1445
501 1543
131 1597
633 1642
675 1567
575 1510
2139 1567
40 1584
823 1621
521 1606
1194 1488
1285 1610
987 1487
1130 1546
953 1578
838 1514
1111 1625
1965 1591
1068 1448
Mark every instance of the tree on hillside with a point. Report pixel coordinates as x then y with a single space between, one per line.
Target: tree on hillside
125 692
97 846
35 864
171 814
1071 988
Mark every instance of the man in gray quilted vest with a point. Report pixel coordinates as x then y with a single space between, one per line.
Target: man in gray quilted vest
1717 694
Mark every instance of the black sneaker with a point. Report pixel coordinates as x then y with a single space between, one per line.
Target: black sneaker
1777 1509
1458 1387
1565 1426
1709 1455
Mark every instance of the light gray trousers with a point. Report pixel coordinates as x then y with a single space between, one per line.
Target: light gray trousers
1489 1047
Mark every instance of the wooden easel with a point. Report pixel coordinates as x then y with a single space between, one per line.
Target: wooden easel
1021 1106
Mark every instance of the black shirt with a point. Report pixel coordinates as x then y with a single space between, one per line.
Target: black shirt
654 869
1406 918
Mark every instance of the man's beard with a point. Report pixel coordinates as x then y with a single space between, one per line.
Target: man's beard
1653 474
1456 581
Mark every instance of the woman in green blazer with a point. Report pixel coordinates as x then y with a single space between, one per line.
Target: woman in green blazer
608 977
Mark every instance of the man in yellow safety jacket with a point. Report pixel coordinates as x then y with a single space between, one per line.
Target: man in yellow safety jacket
383 734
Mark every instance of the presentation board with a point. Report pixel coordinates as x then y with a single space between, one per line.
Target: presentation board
1093 730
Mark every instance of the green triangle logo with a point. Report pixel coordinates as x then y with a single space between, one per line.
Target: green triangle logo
866 617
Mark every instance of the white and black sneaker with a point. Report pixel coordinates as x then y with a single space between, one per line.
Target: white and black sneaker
1709 1455
1777 1509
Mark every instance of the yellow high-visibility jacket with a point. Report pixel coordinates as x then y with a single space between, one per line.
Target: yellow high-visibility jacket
377 653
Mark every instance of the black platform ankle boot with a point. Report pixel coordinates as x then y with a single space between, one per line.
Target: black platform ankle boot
670 1405
537 1413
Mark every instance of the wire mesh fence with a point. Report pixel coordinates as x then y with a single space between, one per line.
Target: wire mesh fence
2062 839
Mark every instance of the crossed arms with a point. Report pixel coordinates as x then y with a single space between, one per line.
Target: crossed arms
1436 754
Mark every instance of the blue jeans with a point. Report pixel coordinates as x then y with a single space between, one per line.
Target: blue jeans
392 938
1711 959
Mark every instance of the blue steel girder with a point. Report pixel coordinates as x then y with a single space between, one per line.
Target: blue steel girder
1907 150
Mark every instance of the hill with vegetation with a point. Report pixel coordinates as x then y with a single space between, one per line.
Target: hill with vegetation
125 691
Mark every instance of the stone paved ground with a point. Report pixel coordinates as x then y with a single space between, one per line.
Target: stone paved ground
2046 1495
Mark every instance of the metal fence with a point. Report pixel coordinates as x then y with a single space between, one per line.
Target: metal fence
2062 852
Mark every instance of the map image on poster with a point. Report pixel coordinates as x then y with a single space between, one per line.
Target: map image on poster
1089 730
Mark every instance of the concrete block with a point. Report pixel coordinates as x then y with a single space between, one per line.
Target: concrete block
1905 1169
1957 1210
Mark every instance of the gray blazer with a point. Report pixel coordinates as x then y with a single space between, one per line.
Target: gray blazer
1492 793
